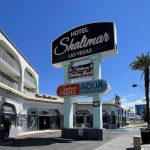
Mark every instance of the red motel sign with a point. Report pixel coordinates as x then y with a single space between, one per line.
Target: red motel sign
68 90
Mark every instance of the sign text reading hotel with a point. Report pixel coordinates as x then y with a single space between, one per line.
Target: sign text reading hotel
68 44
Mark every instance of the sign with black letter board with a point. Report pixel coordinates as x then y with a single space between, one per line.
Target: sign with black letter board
84 41
81 71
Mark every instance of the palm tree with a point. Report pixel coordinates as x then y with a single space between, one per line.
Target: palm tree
142 63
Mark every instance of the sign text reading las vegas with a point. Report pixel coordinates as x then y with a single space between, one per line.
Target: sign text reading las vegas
84 41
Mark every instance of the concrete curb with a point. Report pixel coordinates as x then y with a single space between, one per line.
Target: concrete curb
6 140
36 133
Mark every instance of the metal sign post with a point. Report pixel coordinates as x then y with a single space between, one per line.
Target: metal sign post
68 102
97 111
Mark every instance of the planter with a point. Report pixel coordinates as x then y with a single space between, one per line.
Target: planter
83 133
145 136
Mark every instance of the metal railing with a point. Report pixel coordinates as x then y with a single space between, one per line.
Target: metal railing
29 78
10 61
8 83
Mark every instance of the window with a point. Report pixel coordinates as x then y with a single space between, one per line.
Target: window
104 116
8 110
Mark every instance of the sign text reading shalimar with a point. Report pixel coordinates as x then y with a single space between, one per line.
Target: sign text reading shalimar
84 41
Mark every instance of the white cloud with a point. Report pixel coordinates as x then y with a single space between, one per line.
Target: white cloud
130 95
131 105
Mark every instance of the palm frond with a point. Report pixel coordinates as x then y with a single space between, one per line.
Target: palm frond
141 62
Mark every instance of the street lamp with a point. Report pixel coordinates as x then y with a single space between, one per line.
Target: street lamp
135 85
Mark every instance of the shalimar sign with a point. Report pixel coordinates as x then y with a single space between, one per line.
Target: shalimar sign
84 41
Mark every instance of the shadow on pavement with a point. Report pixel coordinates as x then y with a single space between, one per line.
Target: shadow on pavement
26 142
37 140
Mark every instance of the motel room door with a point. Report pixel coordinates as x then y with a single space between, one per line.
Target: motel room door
44 122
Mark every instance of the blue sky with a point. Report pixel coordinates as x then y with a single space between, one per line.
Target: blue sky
33 25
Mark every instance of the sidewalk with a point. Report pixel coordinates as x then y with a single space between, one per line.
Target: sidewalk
29 133
17 135
145 147
123 142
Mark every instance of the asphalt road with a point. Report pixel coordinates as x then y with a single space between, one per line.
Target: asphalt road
55 142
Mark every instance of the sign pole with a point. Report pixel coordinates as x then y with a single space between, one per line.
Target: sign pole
68 102
97 111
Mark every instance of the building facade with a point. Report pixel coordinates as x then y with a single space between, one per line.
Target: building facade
27 110
15 70
139 109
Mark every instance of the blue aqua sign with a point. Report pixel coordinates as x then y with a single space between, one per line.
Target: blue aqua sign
94 87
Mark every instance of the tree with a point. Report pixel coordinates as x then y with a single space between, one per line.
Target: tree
142 63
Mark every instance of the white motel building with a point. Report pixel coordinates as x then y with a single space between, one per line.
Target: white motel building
29 110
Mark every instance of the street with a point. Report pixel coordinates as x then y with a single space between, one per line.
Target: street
55 142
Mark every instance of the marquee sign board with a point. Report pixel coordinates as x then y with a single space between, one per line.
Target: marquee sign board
85 70
84 88
84 41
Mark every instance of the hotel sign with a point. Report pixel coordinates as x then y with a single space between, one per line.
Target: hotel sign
85 70
84 88
68 90
83 41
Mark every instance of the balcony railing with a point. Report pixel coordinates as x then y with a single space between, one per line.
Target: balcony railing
29 78
10 61
8 83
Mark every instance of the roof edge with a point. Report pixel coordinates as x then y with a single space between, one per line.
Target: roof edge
1 31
